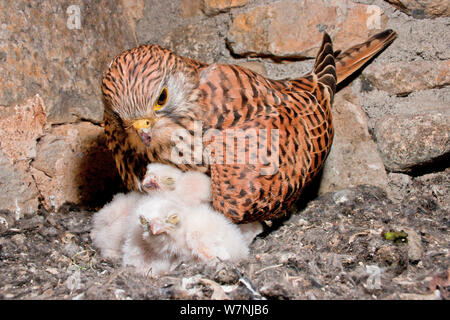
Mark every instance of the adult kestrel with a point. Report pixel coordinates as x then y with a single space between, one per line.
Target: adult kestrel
150 93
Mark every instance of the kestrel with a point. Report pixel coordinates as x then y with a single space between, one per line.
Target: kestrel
150 94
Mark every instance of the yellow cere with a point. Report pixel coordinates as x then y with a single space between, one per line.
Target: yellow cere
142 124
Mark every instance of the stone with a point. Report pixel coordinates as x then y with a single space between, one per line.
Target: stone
255 66
6 222
415 249
401 78
59 50
190 8
407 142
421 9
74 166
398 183
288 69
196 41
161 17
211 7
353 158
378 103
20 128
438 187
134 10
294 29
18 192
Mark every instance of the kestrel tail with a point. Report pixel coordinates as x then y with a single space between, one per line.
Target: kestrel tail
150 92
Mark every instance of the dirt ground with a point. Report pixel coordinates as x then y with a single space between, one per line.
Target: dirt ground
333 247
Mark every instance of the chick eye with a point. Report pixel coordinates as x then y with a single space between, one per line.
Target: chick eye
162 99
168 181
173 219
143 222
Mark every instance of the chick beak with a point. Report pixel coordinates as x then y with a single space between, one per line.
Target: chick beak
151 183
157 227
143 129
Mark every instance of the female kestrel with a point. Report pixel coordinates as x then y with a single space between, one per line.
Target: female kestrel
282 129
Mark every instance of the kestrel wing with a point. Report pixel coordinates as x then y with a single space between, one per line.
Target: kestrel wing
261 151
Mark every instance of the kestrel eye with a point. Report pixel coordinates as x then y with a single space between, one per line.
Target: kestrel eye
162 99
173 219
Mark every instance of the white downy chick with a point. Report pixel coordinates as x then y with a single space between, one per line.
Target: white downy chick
250 230
148 246
109 224
190 187
193 188
164 231
211 236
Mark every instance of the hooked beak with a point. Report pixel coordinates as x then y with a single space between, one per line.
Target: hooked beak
143 129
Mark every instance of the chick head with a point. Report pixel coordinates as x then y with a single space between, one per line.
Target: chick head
160 177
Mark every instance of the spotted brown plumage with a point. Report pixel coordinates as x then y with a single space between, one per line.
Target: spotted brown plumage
150 93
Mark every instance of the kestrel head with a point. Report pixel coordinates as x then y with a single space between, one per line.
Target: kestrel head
149 90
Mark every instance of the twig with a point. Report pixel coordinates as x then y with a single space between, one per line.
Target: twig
113 277
267 268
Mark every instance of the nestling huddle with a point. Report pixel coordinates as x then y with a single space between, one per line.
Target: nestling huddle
174 223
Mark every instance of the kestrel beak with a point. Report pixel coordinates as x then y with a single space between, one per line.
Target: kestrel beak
143 128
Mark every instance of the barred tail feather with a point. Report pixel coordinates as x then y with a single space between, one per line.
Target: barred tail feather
325 67
352 59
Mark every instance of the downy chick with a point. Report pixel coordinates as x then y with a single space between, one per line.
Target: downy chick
109 224
164 232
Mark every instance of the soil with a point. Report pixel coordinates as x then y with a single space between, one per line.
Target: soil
336 246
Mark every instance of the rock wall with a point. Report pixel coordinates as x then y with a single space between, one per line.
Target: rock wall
52 55
392 119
